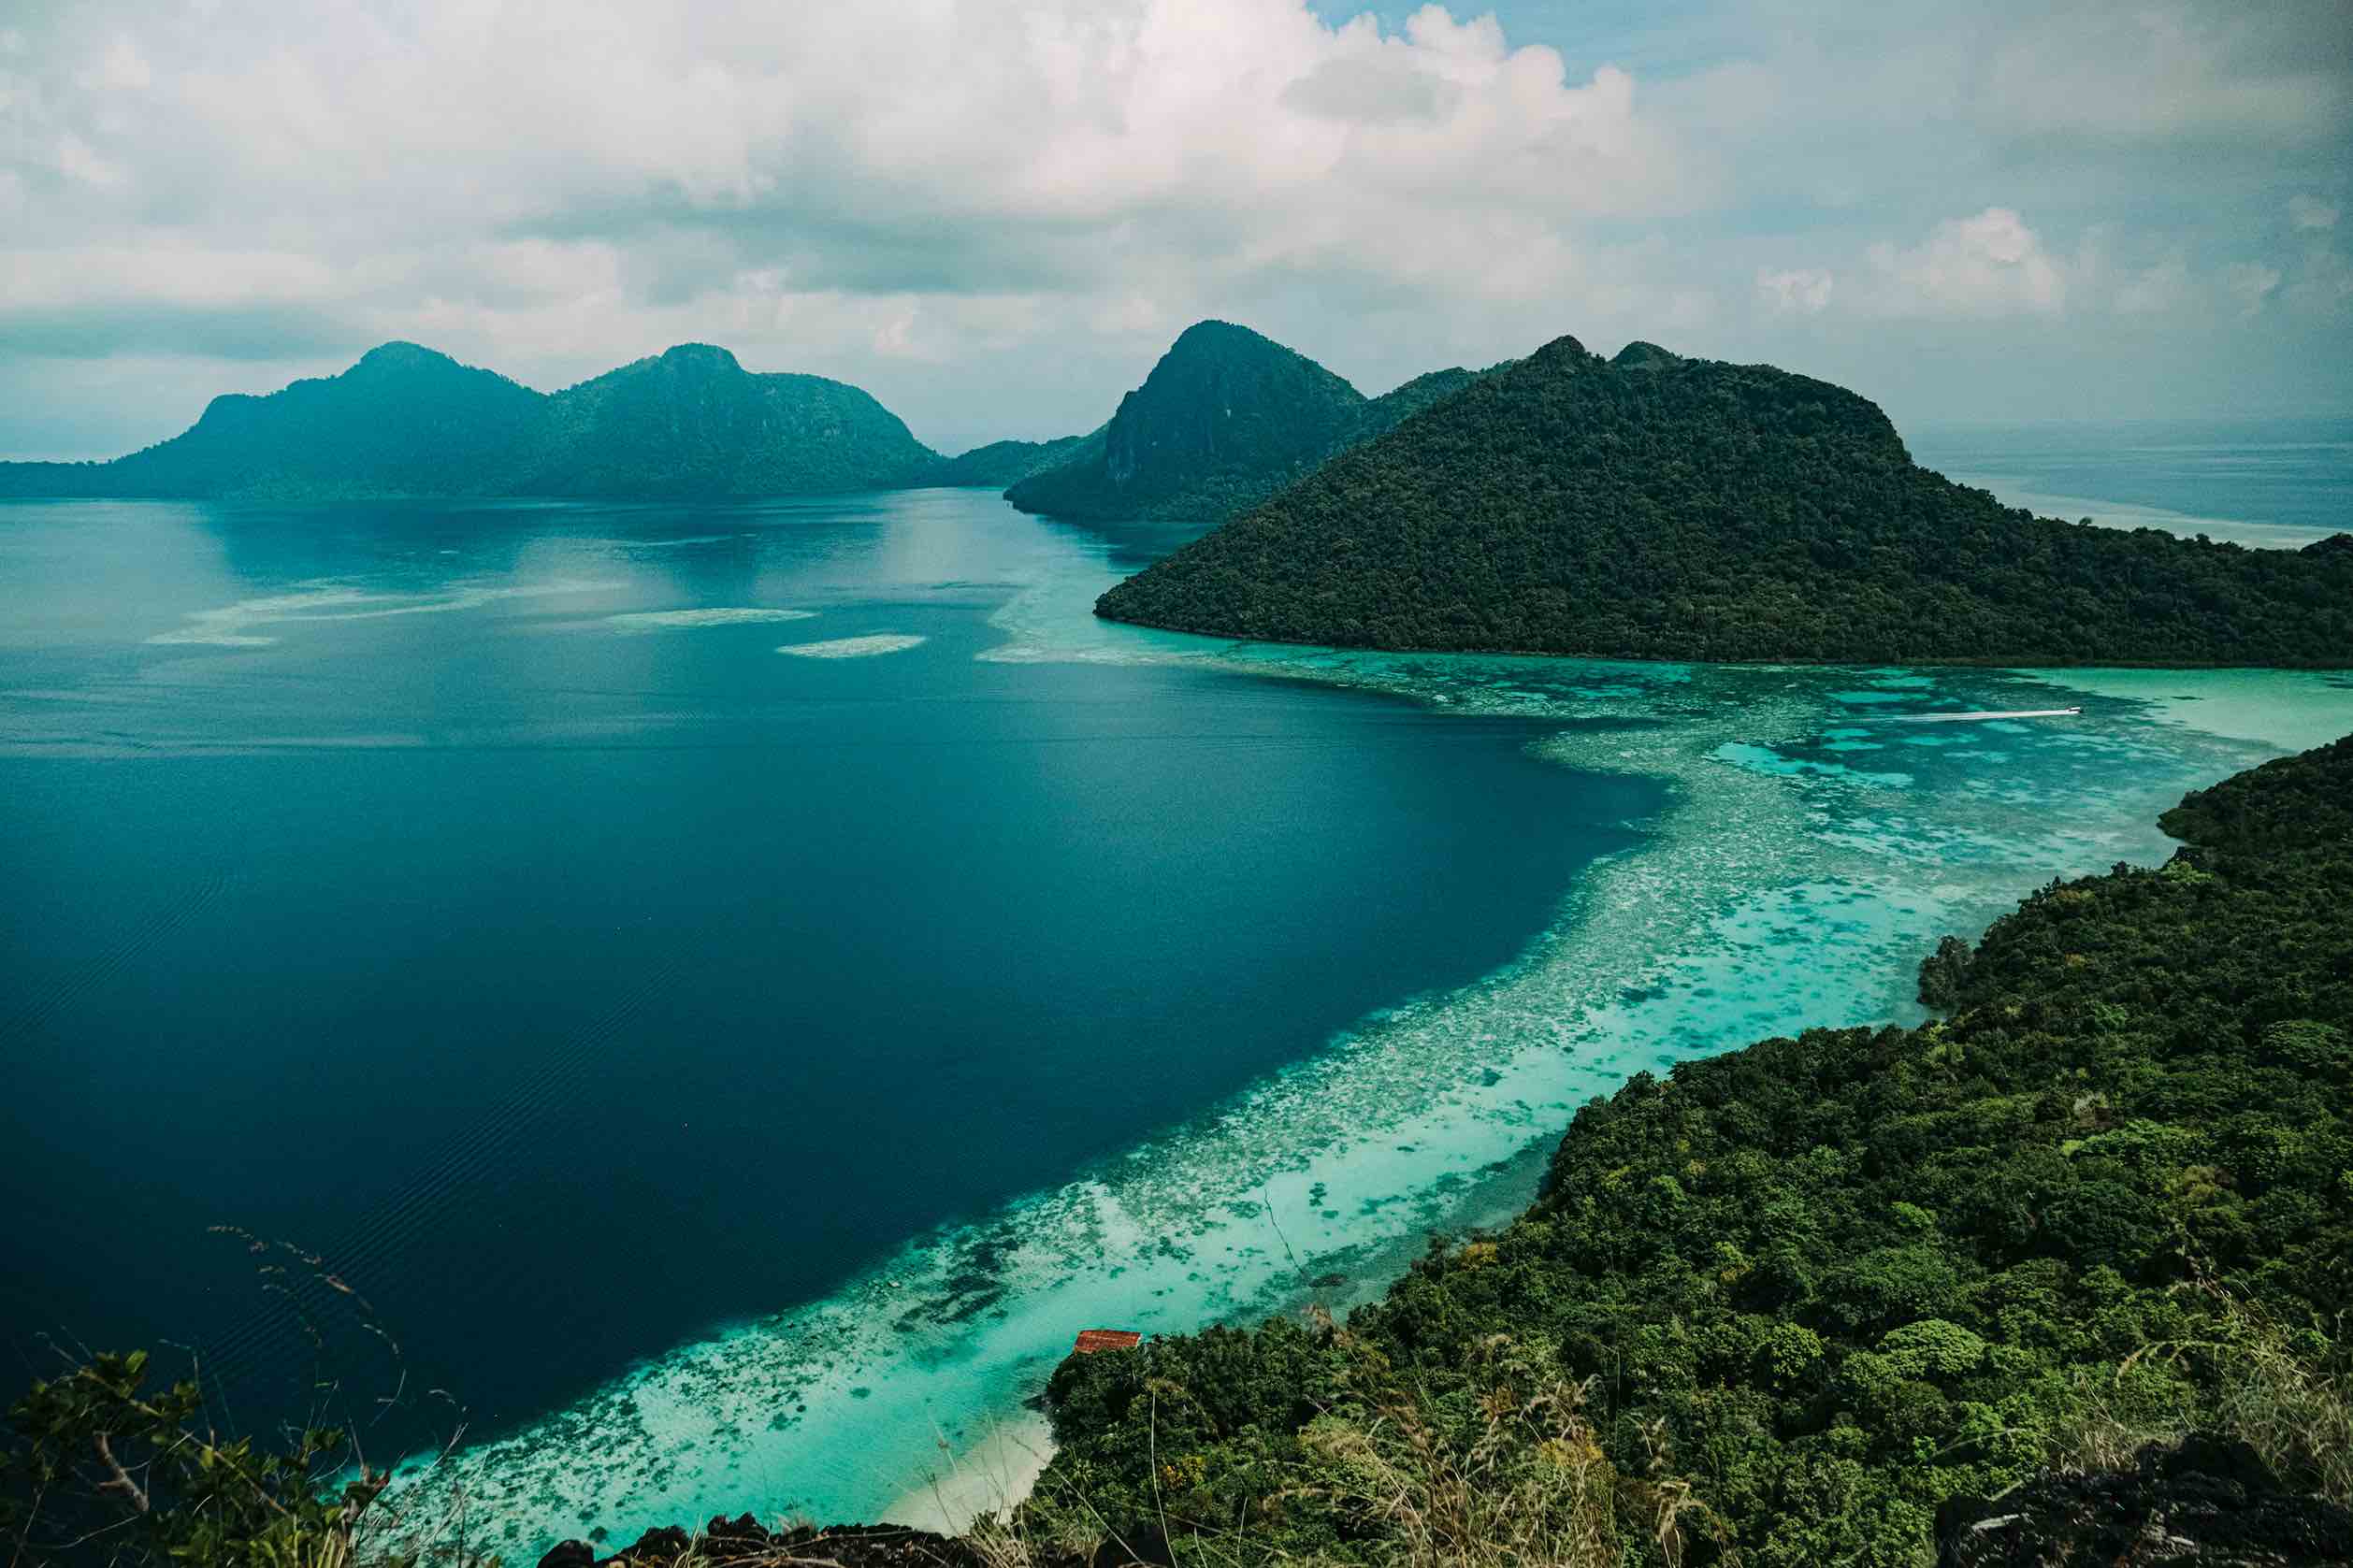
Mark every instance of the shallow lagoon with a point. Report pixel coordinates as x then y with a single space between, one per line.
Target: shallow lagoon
1521 881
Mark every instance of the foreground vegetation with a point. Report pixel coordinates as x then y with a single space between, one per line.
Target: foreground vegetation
1654 507
1783 1302
1774 1309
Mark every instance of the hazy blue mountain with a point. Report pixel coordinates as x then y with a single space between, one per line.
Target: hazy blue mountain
1002 463
693 422
1225 419
405 421
1656 507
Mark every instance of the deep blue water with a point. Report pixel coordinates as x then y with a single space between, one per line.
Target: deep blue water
571 988
2290 474
733 1071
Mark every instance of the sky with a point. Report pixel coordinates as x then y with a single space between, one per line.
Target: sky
996 215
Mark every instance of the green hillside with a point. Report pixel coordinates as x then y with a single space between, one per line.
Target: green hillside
1225 419
1779 1305
693 422
1663 508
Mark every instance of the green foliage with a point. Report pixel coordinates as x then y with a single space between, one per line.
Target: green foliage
405 421
103 1467
1669 508
1225 419
1943 972
1823 1284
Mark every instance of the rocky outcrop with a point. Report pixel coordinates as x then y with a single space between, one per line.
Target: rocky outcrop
2203 1501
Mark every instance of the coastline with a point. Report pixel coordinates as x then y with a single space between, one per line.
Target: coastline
1336 1168
1798 822
990 1475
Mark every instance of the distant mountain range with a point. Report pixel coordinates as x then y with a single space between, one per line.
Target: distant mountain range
1225 419
1657 506
1645 506
405 421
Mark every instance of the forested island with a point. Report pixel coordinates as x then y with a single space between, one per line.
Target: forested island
1662 508
1226 418
1809 1301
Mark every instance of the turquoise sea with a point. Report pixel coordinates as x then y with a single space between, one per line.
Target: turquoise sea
731 991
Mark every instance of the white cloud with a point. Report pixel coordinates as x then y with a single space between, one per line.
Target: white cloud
2323 286
1796 290
78 160
2127 72
121 67
1195 153
995 212
2311 212
1990 265
2251 284
2155 290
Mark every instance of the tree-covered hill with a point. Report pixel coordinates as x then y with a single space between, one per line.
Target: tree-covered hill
1225 419
1781 1305
1656 507
405 421
693 422
1002 463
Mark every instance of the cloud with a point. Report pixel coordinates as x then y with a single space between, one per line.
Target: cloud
1796 290
77 159
995 213
2311 212
2155 290
1990 265
121 67
2323 286
2251 284
2128 72
747 163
